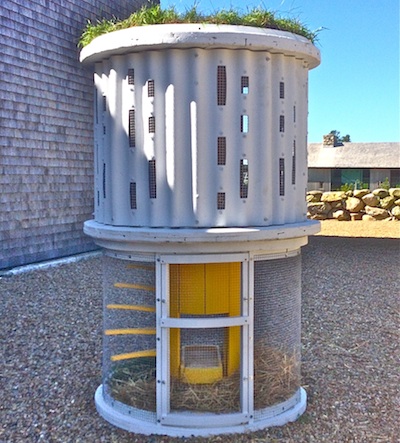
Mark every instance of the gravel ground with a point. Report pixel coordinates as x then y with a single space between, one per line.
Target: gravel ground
51 347
361 228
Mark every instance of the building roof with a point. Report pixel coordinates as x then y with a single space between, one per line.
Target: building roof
355 155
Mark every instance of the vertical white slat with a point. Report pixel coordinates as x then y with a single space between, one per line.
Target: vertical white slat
178 147
257 138
269 179
161 212
119 151
301 136
207 124
140 163
105 166
129 97
277 142
98 145
289 208
236 142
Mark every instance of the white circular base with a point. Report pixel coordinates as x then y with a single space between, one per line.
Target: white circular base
131 424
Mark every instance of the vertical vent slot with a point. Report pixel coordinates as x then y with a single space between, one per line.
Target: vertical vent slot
294 163
98 198
221 200
281 176
132 195
244 124
132 130
294 114
221 85
281 123
152 124
281 90
104 103
152 179
221 151
150 88
244 85
104 180
244 178
131 76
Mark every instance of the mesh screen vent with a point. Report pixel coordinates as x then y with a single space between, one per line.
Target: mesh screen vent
221 85
221 150
244 85
244 178
132 195
294 114
294 163
221 200
281 123
152 125
104 103
131 76
150 88
281 90
132 130
281 176
152 179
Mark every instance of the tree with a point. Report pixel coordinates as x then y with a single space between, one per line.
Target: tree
339 138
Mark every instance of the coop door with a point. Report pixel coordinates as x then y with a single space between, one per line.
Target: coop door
208 317
203 291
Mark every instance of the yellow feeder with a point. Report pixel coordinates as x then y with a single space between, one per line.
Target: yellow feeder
201 364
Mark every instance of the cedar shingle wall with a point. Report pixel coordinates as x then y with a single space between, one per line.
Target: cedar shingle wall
46 127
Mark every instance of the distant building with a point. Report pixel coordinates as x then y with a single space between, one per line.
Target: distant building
331 165
46 127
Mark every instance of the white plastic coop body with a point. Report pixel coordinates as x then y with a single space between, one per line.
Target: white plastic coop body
200 178
199 126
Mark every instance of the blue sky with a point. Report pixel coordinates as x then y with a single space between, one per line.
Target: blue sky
355 90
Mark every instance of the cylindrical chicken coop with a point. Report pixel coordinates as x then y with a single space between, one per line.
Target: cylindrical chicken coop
200 178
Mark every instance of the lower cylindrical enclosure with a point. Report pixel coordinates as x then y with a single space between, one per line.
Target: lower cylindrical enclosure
201 344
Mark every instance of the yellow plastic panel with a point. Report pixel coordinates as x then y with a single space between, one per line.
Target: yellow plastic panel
192 289
217 288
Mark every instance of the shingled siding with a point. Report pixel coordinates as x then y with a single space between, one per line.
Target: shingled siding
46 127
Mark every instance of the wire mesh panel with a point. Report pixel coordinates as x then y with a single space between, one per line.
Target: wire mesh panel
206 381
129 359
277 317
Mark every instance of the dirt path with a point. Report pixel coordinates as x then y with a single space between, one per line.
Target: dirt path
360 228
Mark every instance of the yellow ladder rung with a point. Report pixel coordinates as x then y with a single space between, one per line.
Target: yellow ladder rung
138 354
130 331
134 286
132 307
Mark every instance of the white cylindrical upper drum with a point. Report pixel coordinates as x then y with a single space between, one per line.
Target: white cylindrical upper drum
200 126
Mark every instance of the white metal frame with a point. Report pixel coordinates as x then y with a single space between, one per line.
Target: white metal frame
164 323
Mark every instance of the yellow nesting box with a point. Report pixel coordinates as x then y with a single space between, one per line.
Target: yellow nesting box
201 364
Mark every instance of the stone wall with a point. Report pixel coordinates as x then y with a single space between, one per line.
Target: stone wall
380 204
46 144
